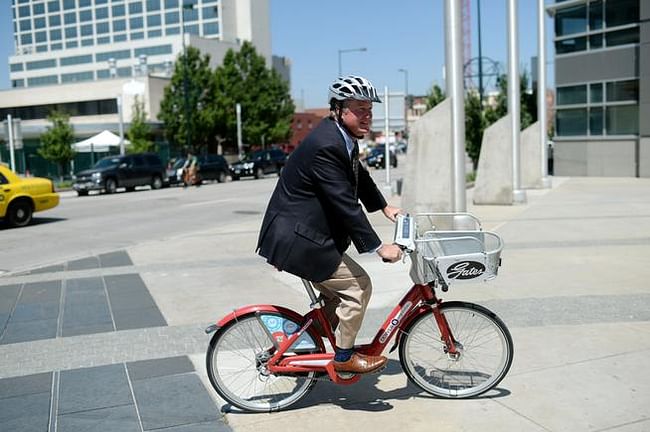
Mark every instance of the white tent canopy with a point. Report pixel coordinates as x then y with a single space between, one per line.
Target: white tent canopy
99 143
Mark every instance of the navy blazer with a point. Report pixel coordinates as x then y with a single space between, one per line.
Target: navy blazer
313 213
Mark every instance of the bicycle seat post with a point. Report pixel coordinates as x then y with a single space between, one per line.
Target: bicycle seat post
315 302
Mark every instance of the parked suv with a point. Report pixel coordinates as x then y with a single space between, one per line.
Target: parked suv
259 164
112 172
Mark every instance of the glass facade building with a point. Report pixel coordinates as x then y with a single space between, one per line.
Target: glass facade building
75 38
602 63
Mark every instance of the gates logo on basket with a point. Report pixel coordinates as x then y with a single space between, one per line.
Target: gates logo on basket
465 270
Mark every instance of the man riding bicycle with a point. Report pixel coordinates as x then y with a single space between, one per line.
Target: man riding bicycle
314 214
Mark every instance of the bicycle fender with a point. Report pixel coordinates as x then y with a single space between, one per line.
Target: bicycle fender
407 323
237 313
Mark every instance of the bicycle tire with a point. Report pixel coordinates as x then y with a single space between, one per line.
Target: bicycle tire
236 368
485 344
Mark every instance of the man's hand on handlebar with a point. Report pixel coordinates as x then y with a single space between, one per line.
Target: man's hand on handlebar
391 212
390 253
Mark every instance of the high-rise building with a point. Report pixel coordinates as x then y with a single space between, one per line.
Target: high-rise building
63 41
602 78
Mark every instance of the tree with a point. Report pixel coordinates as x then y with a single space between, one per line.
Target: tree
56 142
474 126
435 96
528 111
139 132
266 105
197 116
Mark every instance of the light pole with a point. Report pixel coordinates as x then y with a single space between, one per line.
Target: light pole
341 51
186 98
406 100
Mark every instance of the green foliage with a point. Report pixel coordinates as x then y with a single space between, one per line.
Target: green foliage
435 96
266 105
474 126
139 132
56 142
188 102
528 112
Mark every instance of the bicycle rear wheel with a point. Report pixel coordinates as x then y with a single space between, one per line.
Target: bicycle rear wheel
482 339
236 363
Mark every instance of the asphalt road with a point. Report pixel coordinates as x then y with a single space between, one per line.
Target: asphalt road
83 226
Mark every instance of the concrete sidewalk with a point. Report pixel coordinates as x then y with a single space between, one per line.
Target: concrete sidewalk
573 289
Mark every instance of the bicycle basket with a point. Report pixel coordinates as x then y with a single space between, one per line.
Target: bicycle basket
452 246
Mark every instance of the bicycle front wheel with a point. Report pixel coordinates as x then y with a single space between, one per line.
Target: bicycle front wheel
484 356
236 363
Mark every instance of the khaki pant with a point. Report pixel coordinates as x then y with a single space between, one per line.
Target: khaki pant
346 295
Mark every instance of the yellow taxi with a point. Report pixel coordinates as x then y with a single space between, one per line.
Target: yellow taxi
20 197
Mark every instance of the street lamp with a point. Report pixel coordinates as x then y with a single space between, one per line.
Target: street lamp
341 51
406 100
186 99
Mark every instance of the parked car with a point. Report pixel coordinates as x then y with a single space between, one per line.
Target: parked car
20 197
129 171
259 164
211 167
376 157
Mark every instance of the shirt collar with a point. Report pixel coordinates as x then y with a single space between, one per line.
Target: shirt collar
349 142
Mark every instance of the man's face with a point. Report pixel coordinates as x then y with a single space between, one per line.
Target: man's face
357 116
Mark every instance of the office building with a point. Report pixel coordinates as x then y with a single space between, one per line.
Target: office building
602 79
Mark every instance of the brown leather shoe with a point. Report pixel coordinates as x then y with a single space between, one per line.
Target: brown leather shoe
360 363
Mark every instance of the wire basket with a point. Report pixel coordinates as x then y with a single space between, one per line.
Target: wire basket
452 247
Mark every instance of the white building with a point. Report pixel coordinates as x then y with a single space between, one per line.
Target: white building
64 41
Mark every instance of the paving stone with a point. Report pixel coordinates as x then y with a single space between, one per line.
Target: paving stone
115 419
41 292
86 308
25 385
138 318
93 388
115 259
48 269
86 329
28 413
173 401
25 331
8 297
83 264
159 367
35 311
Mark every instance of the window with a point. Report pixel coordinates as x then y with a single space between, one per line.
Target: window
119 25
172 31
75 60
40 36
622 120
102 27
77 76
571 45
622 91
101 13
55 35
41 64
192 29
118 11
135 8
137 36
210 12
26 39
18 83
154 50
153 5
571 122
39 8
596 93
621 12
172 18
87 42
86 30
56 46
41 48
71 44
53 6
25 24
596 15
622 37
571 20
16 67
154 33
136 23
44 80
571 95
70 18
55 20
169 4
68 4
70 32
119 38
191 15
153 20
117 55
86 15
596 121
211 28
84 3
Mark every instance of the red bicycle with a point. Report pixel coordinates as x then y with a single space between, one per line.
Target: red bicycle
266 358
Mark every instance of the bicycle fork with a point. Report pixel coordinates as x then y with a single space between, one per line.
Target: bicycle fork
452 347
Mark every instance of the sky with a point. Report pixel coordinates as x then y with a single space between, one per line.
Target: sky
406 34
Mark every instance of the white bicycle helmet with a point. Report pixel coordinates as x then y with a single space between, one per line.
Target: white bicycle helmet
353 87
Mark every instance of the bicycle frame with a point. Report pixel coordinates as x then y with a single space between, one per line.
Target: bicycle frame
419 299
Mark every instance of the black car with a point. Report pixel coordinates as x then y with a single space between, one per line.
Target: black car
211 167
376 158
129 171
259 163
